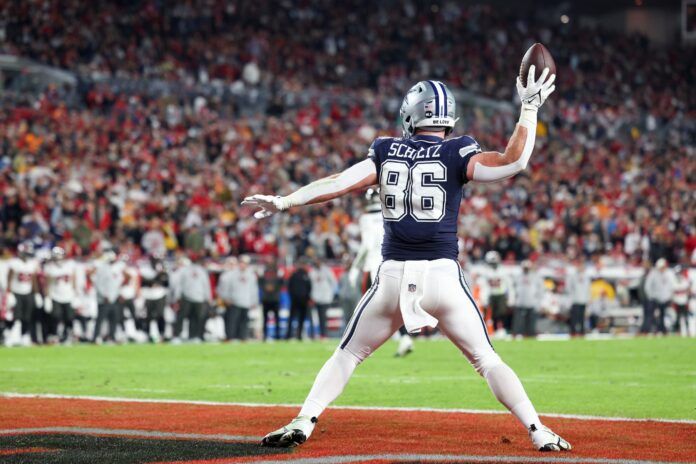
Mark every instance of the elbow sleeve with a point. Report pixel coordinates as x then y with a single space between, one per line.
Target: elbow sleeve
345 180
482 173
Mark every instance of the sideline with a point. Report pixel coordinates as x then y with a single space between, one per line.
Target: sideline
357 408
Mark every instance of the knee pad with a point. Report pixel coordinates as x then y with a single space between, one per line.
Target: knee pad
485 361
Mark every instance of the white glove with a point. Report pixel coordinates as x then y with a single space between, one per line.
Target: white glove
269 205
536 92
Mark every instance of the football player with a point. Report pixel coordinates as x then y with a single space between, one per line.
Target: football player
22 282
419 283
60 275
499 286
369 256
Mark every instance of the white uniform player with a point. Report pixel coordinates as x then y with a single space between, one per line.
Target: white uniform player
22 279
60 276
420 283
680 298
154 283
369 256
371 225
85 298
130 291
498 285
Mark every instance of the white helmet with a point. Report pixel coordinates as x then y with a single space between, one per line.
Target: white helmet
374 204
428 105
492 257
57 253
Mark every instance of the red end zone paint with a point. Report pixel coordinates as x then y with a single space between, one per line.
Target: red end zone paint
15 451
355 432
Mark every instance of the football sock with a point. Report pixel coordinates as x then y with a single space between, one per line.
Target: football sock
508 389
330 381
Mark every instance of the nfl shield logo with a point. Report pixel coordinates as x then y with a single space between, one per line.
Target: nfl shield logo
411 288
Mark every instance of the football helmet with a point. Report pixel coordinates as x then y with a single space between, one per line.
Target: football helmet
25 250
492 257
57 253
428 105
373 201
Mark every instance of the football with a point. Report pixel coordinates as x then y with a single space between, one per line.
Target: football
541 58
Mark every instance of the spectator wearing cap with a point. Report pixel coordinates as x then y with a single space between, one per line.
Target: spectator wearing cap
659 288
271 284
193 296
324 285
238 288
578 285
300 290
529 291
108 278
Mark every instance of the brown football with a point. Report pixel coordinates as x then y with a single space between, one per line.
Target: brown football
539 56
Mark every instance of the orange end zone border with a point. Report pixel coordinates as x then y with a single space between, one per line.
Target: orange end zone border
351 435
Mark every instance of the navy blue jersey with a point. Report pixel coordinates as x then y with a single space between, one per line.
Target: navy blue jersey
420 180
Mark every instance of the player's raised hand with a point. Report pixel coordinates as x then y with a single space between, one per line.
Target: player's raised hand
269 205
537 91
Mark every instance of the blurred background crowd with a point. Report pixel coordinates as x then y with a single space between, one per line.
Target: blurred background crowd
175 111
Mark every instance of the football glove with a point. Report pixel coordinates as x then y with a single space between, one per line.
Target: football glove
536 92
269 205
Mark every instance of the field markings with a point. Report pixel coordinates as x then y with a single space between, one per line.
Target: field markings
144 390
354 408
130 433
451 458
312 460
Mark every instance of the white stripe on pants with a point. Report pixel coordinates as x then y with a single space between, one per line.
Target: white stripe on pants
377 316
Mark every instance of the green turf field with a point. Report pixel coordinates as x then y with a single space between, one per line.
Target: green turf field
634 378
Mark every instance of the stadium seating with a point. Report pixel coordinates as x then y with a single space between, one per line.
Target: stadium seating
603 179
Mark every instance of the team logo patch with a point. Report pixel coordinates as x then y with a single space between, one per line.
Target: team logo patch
412 288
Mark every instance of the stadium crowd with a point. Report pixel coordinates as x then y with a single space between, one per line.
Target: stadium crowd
153 173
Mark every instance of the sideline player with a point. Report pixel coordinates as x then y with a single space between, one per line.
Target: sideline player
60 275
499 287
420 283
22 282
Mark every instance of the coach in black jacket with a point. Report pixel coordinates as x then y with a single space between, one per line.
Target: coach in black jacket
300 289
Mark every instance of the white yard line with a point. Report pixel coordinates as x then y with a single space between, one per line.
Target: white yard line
355 408
451 458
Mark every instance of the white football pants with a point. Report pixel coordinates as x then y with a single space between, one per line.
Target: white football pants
445 296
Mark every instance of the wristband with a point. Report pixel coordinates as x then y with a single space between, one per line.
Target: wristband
528 116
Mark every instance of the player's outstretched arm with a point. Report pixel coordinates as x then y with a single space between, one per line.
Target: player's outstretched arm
491 166
356 177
